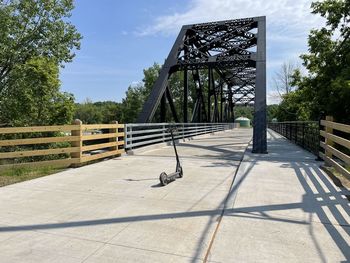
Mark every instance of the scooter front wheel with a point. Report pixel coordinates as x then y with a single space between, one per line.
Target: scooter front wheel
180 172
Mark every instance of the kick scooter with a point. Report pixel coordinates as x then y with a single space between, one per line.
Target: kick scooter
167 178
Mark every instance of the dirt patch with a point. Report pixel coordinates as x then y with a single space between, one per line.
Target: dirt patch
337 178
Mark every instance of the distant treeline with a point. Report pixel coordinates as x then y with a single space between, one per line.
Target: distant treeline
108 111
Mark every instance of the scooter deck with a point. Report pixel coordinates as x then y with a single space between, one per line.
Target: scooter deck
165 178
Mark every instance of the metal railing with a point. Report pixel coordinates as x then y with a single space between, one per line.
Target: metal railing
143 134
303 133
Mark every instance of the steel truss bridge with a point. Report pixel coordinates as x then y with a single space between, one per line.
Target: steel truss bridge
232 55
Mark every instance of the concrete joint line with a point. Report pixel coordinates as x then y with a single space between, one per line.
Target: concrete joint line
225 205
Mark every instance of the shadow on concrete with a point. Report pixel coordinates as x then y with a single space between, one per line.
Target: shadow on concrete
320 196
140 180
222 208
332 201
327 196
194 157
157 185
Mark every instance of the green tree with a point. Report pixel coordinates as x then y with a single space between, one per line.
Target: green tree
35 39
88 113
271 112
294 107
110 110
133 102
150 76
136 95
326 88
34 97
34 28
98 112
244 111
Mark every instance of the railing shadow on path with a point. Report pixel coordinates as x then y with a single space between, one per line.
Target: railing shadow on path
321 199
212 213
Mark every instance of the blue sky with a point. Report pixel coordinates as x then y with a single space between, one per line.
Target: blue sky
121 38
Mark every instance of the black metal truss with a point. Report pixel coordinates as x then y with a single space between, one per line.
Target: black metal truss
236 51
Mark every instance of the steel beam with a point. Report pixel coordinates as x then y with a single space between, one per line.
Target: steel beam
171 104
237 54
163 108
152 102
209 93
185 99
259 132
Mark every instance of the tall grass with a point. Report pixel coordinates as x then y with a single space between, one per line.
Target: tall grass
20 174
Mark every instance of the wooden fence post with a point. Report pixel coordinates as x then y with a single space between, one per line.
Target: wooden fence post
328 141
114 139
77 132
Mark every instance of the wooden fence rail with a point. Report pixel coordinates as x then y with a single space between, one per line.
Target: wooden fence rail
81 144
335 156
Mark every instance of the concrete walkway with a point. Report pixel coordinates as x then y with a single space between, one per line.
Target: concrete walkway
115 211
283 208
280 208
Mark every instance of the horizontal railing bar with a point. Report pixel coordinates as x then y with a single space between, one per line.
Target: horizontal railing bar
102 136
299 122
147 131
144 143
135 138
101 155
160 130
336 165
170 124
98 146
98 126
336 139
147 136
39 140
99 136
342 156
165 138
336 126
56 128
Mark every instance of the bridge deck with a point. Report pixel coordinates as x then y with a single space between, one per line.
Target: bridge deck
281 207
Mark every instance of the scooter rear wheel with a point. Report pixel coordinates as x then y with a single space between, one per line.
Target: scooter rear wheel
163 178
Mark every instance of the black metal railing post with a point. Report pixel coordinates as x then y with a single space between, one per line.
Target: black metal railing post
303 134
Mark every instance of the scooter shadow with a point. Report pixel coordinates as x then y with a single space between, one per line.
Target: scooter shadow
157 185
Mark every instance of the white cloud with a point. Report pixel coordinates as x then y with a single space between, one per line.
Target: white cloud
97 72
288 23
136 83
273 97
283 16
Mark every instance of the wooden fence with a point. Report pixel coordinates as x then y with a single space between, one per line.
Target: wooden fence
66 144
336 146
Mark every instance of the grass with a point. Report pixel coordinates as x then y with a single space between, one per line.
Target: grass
20 174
